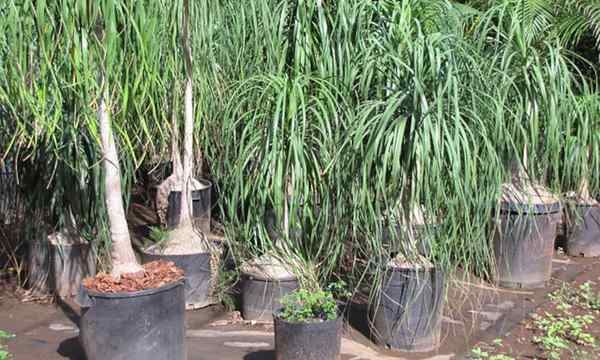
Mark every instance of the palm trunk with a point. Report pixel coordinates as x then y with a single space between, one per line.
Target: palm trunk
188 143
175 155
123 258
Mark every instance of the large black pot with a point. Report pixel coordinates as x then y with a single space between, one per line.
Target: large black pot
583 230
308 340
141 325
197 272
70 264
408 313
524 237
201 207
261 298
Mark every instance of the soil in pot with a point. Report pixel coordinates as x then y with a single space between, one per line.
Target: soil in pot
316 340
197 270
408 313
264 282
135 317
583 230
201 206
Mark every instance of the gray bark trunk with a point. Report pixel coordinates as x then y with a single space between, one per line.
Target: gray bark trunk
123 258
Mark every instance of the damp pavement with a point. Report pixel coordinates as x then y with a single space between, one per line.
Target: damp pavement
474 312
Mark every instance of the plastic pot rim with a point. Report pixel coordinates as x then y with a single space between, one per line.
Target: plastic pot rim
276 316
206 182
69 245
202 181
531 209
147 252
130 294
418 268
584 205
252 277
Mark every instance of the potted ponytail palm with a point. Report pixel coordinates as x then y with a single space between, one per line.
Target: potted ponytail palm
135 312
409 303
308 326
265 281
186 244
583 223
525 231
583 218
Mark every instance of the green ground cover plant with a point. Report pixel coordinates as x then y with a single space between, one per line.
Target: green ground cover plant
305 305
561 331
4 354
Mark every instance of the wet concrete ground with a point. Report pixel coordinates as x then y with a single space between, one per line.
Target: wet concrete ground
475 312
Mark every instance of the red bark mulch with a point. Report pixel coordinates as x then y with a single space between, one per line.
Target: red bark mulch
156 274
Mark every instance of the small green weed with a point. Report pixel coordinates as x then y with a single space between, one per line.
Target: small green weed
589 298
479 354
159 237
566 297
4 354
501 357
560 331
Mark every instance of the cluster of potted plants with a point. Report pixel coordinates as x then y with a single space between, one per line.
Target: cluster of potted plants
319 143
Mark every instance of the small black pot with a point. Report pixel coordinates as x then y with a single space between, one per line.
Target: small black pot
261 298
524 237
408 315
141 325
197 272
308 340
201 207
583 230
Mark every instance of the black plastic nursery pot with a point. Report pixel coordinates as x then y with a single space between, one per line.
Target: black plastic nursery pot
201 207
261 298
317 340
70 263
408 314
141 325
197 272
524 237
583 230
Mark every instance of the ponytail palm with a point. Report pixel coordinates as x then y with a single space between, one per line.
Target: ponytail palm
52 94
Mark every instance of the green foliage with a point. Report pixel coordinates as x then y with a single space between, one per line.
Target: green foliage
585 296
307 306
225 282
560 331
4 354
159 236
478 353
589 298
